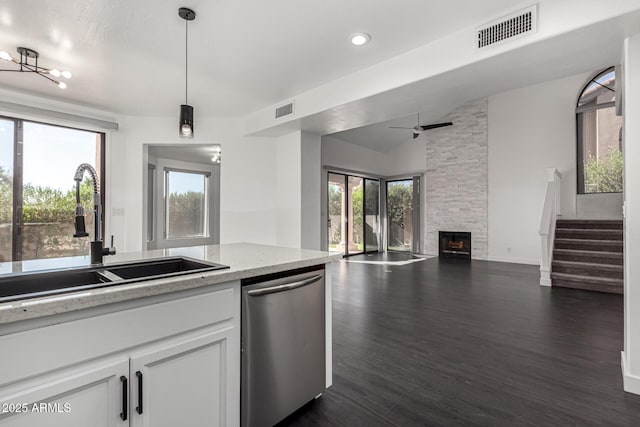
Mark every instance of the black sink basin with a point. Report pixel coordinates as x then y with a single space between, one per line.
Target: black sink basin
36 284
165 267
30 285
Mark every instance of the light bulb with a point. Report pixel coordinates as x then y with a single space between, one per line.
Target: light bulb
54 72
185 129
5 55
360 39
66 74
61 85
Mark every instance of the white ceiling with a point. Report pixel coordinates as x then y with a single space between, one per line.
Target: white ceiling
128 56
380 138
365 122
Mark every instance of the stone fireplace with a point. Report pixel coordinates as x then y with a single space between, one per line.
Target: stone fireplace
455 244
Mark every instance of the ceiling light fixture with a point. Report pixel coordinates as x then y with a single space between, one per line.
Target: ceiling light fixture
186 110
360 39
28 63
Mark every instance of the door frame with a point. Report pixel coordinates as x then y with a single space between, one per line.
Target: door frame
325 218
417 214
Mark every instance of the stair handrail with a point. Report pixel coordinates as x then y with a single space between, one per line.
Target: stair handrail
550 212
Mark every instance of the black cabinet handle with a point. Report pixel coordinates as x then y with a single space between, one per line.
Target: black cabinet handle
139 407
125 398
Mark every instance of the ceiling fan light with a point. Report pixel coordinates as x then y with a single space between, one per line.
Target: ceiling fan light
186 121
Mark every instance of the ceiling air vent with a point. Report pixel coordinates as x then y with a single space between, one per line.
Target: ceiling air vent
509 27
284 110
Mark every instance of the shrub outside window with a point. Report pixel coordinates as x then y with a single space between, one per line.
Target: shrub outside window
599 133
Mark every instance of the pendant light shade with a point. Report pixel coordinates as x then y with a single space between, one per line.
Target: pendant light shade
186 110
186 121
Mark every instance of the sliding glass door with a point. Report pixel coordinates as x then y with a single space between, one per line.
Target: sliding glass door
400 233
353 225
371 215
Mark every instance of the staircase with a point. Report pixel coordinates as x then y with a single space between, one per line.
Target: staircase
588 255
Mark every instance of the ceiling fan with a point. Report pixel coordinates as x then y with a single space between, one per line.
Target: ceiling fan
418 129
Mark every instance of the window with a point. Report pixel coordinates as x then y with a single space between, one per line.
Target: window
599 133
182 191
186 204
37 190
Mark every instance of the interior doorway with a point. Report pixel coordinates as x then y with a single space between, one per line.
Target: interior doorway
353 223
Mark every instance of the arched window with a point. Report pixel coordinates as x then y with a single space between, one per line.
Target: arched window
599 136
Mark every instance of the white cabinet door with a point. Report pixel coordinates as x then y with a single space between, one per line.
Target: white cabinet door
89 396
187 383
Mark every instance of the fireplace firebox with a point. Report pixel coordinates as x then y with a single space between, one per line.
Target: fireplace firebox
455 244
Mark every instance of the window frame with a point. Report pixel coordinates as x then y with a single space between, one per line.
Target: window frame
18 175
579 116
160 240
207 196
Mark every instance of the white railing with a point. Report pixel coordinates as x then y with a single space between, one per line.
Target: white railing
550 212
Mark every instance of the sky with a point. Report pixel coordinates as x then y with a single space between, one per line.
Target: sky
51 153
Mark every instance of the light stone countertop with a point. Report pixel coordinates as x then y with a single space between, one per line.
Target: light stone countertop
244 260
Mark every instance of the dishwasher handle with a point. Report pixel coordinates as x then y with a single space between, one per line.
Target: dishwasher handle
285 287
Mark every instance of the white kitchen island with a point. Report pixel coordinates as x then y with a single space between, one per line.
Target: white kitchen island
161 352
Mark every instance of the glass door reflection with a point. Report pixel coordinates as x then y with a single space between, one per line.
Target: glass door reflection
353 224
400 215
371 215
355 215
337 216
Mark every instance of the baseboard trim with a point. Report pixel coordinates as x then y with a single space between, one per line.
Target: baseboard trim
631 382
514 260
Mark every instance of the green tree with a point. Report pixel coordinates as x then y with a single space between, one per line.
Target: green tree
399 201
6 196
186 213
604 176
356 199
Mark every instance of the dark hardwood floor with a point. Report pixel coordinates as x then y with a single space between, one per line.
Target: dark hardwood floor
445 343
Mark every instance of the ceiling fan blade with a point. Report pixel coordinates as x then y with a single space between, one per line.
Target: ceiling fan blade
398 127
436 125
415 135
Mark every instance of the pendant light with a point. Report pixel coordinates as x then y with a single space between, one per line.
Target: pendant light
186 110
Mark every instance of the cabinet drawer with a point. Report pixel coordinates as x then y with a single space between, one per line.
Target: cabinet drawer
57 346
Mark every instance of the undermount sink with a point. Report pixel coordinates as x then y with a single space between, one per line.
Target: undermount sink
44 283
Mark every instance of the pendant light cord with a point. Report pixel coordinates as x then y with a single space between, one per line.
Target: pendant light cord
186 62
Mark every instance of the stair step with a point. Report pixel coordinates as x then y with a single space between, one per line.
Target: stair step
599 284
588 269
589 233
589 244
595 257
589 223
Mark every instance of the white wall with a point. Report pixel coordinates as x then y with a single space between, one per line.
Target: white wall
409 157
247 199
311 182
631 354
288 189
530 129
352 157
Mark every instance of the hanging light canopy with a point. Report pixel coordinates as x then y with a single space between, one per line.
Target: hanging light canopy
186 110
28 63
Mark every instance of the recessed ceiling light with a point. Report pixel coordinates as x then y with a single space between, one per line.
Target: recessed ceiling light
360 39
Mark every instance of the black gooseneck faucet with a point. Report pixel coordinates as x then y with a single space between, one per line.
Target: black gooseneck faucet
97 248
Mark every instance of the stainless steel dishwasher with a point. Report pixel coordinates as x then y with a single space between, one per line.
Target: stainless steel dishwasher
283 344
